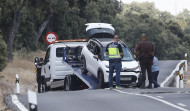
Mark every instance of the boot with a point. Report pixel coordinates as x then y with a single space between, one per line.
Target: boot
142 85
149 86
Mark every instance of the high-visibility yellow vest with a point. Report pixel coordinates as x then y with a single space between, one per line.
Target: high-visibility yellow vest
113 52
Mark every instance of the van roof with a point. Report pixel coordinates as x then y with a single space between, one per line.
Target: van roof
70 44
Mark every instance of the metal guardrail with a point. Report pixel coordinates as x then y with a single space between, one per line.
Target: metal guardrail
181 68
178 73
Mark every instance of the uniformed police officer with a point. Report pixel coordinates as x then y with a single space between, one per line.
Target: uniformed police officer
38 75
115 52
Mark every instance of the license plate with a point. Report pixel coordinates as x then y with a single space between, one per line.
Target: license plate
125 78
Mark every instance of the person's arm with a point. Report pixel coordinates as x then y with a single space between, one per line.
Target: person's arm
135 51
107 50
120 50
152 53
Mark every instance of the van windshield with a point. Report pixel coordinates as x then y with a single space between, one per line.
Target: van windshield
127 54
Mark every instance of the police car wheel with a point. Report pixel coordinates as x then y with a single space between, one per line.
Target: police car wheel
83 67
101 79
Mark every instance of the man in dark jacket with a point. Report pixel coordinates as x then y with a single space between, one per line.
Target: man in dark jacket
146 54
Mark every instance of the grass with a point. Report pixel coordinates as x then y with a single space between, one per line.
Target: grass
23 65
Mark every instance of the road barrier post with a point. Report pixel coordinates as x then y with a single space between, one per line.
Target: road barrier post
32 100
17 84
186 65
181 76
177 79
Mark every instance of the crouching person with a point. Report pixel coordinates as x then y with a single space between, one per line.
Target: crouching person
155 72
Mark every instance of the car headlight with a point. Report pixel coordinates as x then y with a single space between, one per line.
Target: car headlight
107 66
135 68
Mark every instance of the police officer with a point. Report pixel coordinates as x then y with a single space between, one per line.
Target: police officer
38 75
115 52
146 54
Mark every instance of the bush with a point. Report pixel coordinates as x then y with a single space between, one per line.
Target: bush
3 54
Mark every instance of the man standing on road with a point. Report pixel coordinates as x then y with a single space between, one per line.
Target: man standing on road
146 54
115 52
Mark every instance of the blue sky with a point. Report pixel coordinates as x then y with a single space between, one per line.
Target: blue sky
172 6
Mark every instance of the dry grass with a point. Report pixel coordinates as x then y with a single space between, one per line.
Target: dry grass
23 65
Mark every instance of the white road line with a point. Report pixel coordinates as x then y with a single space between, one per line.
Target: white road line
180 104
157 99
171 75
18 104
160 97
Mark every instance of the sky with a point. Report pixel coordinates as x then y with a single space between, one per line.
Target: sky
172 6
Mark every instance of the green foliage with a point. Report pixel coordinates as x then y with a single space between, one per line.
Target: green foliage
162 29
3 54
170 34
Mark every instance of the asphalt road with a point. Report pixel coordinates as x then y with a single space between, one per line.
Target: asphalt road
125 99
114 100
166 68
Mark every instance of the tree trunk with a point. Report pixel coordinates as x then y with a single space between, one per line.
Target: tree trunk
13 28
10 35
41 28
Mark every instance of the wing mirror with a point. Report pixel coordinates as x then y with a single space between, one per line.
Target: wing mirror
96 57
36 61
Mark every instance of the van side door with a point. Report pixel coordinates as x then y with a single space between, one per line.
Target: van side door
47 64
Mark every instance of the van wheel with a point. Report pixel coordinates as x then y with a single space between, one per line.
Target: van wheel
67 84
101 79
83 67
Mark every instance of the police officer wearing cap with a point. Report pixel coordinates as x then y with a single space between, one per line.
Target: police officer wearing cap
115 53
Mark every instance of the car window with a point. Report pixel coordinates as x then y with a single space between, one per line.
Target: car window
97 51
59 52
91 46
47 55
127 56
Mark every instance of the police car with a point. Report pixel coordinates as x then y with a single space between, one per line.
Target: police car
96 62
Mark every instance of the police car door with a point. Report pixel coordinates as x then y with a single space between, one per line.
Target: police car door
47 64
94 63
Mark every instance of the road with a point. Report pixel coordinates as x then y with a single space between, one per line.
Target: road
166 68
116 100
160 99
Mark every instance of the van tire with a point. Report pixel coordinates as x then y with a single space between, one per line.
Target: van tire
101 80
67 85
83 67
70 83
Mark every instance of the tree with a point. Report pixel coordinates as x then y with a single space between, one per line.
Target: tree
11 10
3 54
